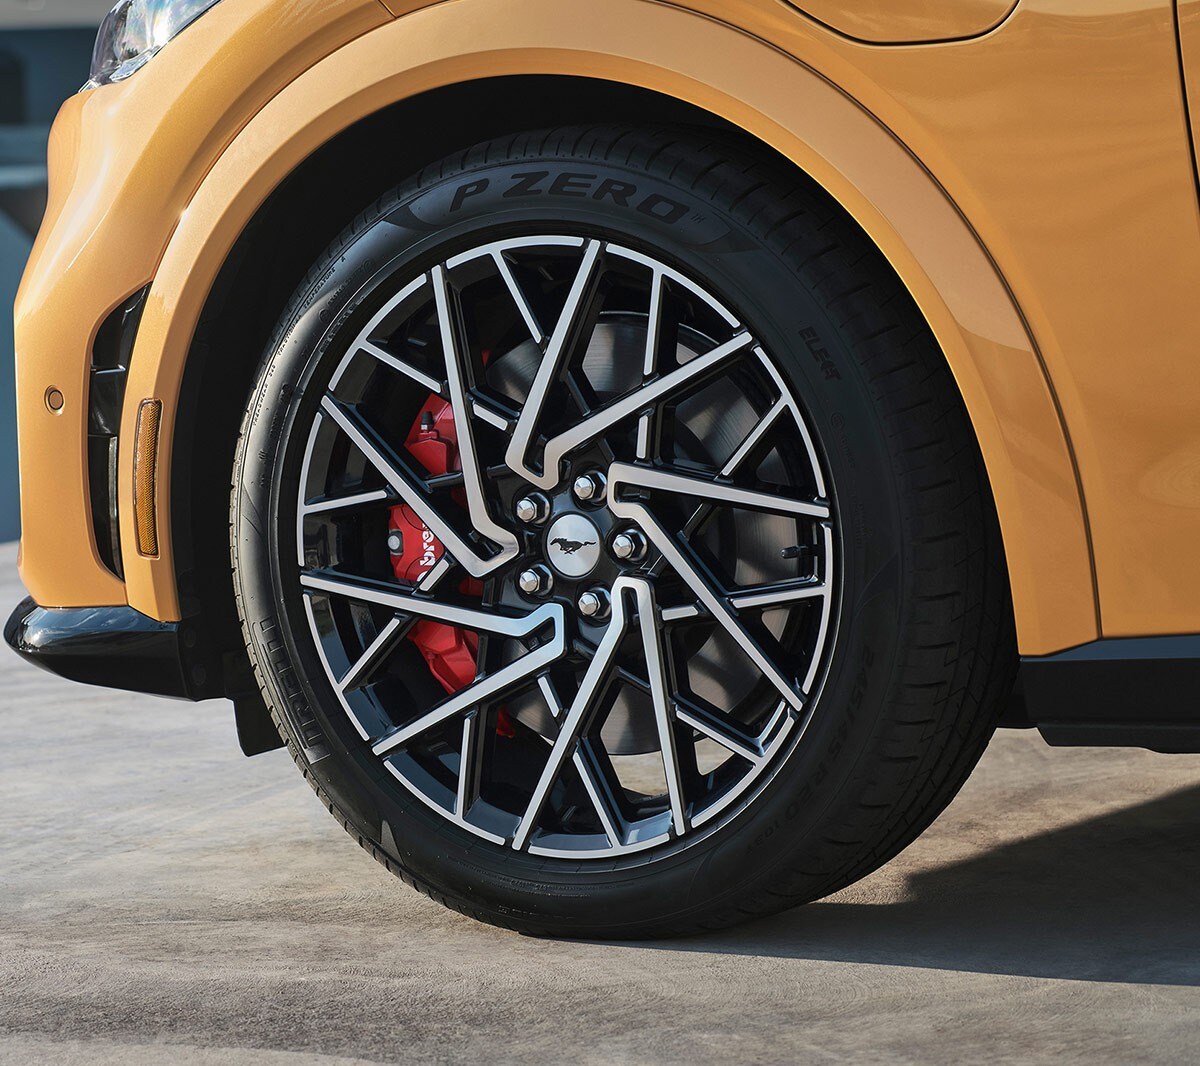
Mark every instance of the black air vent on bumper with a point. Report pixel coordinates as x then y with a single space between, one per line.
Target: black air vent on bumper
106 395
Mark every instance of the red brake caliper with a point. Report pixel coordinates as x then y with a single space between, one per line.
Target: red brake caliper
450 652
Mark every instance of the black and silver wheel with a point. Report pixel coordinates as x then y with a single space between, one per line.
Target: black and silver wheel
610 541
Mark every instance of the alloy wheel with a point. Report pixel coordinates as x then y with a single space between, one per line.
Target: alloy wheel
567 549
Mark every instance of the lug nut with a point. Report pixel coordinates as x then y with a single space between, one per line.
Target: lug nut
594 603
536 581
629 545
590 488
533 508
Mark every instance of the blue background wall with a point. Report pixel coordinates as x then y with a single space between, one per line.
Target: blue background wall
39 68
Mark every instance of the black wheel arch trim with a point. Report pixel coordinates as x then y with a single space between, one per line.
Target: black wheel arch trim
1124 692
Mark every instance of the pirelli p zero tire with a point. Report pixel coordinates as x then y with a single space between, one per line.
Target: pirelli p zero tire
610 540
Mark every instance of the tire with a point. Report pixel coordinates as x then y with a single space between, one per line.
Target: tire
917 651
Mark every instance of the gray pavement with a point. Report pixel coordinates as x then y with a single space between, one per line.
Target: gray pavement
163 899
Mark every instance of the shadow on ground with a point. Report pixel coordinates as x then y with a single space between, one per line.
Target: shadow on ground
1115 899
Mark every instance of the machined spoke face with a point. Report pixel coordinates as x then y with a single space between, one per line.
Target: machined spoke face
462 409
582 708
660 695
550 366
566 548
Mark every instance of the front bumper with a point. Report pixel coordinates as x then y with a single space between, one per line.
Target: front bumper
111 646
118 647
72 284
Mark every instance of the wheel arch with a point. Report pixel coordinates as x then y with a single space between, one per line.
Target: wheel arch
651 55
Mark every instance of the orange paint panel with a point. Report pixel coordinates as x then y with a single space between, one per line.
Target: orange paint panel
893 21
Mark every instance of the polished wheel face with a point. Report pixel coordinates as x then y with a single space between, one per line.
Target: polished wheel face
567 549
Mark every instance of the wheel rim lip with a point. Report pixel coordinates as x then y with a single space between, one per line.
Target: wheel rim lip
784 732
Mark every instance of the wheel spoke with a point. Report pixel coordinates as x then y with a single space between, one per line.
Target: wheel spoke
706 723
486 688
550 614
456 377
409 488
580 712
754 438
550 695
439 571
469 764
740 454
716 492
660 694
426 381
654 338
654 323
324 505
493 418
826 608
683 613
776 593
380 648
553 361
756 596
600 794
412 294
718 604
639 399
389 636
368 590
518 296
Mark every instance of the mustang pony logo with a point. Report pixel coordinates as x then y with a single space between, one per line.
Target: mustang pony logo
570 547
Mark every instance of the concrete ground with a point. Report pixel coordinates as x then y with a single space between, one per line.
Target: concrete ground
163 899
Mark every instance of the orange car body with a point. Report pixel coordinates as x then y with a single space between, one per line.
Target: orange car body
1027 169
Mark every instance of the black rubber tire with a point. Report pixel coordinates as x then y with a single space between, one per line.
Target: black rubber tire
924 653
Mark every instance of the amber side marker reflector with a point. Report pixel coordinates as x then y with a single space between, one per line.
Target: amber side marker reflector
145 460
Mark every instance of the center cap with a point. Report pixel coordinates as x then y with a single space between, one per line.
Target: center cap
573 545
